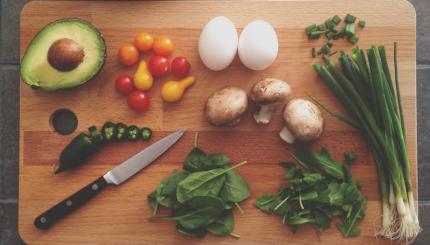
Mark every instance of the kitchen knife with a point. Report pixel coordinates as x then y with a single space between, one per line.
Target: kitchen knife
116 176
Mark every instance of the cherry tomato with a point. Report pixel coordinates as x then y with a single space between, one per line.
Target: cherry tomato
138 101
180 67
124 84
163 46
158 65
128 54
143 41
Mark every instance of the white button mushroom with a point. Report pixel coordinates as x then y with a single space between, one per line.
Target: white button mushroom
268 93
226 106
303 120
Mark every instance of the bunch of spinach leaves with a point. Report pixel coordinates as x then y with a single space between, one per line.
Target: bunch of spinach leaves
319 188
202 195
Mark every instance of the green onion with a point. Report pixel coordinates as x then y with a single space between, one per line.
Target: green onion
349 30
311 29
362 23
315 34
314 53
321 27
365 88
353 39
336 19
349 18
325 49
329 24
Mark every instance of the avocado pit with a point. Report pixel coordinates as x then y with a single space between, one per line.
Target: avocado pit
65 54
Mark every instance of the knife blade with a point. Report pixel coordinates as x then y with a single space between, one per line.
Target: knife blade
115 176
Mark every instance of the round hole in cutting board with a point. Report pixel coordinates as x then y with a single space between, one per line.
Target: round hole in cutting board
64 121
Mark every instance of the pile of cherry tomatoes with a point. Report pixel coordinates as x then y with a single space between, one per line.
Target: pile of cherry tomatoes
158 66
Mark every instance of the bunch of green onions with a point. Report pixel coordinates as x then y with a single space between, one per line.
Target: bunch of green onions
365 88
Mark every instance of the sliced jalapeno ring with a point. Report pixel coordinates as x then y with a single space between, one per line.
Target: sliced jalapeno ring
146 133
133 133
109 131
121 131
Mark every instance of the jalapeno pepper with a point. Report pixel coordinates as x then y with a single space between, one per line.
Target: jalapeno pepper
121 131
96 135
145 133
133 133
76 152
109 131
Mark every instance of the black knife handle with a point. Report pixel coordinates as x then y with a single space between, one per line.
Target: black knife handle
68 205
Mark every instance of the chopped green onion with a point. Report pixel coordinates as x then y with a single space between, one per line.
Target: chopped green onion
330 43
329 24
325 49
332 53
311 29
315 34
330 35
350 18
349 30
336 19
314 53
362 23
353 39
321 27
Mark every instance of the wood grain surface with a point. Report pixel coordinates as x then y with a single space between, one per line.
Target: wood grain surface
119 214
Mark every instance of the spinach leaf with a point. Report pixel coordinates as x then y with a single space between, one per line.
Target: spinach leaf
235 188
292 169
199 232
197 160
194 159
348 227
264 202
223 225
197 212
166 191
203 183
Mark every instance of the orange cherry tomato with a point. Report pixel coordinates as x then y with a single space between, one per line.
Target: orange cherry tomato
163 45
128 54
143 41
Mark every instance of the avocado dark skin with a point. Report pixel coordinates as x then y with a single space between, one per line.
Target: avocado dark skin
65 54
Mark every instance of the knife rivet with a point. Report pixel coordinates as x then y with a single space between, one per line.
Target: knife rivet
43 220
69 203
94 187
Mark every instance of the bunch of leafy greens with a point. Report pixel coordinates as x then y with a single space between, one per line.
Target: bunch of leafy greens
202 195
319 188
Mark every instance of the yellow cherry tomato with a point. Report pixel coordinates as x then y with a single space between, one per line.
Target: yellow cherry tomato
172 91
143 41
128 54
163 45
142 78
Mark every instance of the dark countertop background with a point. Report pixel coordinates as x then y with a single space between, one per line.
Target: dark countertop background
9 117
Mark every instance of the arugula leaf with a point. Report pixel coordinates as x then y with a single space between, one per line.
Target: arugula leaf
223 225
166 191
322 162
318 189
264 202
152 200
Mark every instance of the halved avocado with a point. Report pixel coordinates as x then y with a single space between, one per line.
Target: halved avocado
64 54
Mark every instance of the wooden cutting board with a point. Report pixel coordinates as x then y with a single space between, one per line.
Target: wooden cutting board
119 214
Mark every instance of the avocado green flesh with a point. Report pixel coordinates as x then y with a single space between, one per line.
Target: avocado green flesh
35 68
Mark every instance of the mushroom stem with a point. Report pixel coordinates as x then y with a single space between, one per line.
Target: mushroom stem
264 115
287 136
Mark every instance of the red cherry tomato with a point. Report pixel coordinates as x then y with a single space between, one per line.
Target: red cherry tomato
158 65
124 84
180 67
138 101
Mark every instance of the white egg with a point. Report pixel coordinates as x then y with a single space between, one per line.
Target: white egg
218 43
258 45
